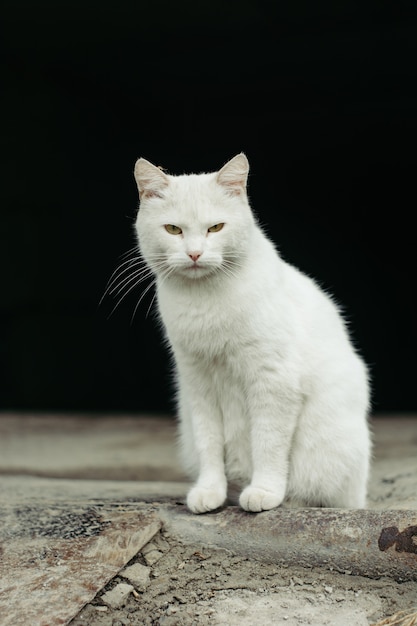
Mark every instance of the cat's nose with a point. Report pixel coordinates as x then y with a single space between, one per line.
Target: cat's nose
194 256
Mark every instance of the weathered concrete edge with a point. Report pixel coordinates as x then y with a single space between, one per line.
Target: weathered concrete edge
361 542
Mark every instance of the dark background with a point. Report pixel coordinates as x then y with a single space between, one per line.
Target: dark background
320 95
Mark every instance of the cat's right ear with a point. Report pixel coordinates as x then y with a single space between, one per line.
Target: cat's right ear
151 180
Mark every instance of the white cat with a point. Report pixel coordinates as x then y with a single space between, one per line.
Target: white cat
272 397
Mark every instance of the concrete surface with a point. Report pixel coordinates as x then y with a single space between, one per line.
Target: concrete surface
113 447
80 495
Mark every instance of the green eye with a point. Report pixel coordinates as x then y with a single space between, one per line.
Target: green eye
172 229
215 228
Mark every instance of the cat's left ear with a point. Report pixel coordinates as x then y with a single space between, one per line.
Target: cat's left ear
234 175
150 179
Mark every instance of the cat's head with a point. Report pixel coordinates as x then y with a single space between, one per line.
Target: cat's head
194 225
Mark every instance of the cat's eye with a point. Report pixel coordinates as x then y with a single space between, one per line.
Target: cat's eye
172 229
215 228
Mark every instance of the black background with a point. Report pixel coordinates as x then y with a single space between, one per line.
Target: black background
321 96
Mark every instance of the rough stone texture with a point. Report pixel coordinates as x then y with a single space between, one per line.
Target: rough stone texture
151 553
368 543
138 575
251 609
193 584
117 596
56 558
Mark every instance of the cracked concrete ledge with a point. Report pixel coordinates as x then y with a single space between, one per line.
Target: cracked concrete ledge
365 542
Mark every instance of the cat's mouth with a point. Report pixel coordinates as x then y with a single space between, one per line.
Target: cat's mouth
197 270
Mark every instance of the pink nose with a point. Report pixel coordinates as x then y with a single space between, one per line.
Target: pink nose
194 256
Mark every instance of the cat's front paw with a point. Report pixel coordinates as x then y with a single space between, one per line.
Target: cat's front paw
256 499
203 499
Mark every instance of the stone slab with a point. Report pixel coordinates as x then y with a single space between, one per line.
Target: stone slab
56 557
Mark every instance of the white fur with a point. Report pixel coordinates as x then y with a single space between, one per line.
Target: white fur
272 396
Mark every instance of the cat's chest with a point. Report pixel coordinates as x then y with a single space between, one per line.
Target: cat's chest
200 320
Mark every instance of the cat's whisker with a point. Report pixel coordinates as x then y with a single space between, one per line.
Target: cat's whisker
131 273
143 294
120 288
163 278
123 297
228 273
137 280
142 273
150 306
132 251
117 274
228 268
123 264
124 276
116 280
232 262
151 284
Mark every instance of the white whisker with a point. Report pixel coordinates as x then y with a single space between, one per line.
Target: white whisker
117 274
150 306
113 284
141 274
143 294
134 250
129 274
166 273
230 268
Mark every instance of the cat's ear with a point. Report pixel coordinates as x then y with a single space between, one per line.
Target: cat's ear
150 179
234 175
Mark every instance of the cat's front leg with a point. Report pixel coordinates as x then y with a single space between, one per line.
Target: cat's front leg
208 494
202 429
210 490
256 499
273 420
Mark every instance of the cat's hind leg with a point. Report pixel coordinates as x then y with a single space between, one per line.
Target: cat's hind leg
352 492
330 460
